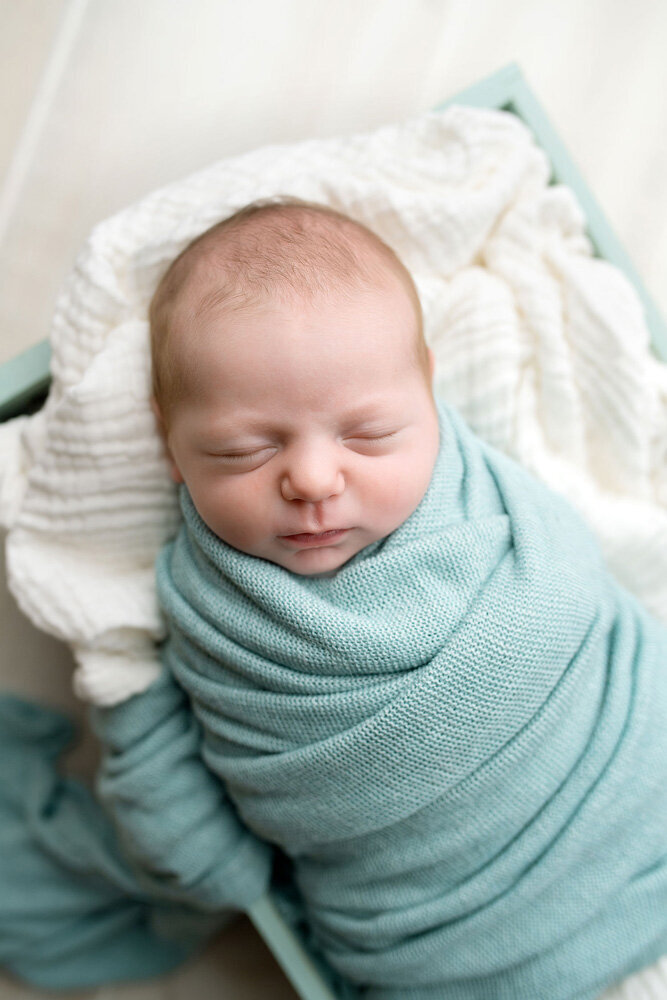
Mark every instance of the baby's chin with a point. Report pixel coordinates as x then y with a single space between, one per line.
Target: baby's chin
315 562
316 567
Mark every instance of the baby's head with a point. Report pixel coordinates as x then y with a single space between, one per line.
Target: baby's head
292 384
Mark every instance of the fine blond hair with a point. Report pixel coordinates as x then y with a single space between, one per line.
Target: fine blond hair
278 248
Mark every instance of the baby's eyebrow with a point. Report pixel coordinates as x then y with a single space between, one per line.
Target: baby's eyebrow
379 410
366 411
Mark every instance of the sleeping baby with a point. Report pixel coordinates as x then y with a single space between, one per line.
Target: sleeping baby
411 670
293 385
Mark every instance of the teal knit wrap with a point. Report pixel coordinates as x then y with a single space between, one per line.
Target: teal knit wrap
460 738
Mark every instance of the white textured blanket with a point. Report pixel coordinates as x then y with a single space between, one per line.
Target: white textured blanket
542 347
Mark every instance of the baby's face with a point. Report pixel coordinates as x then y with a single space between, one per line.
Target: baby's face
309 432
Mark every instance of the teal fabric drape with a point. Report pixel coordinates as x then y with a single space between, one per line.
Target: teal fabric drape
459 738
82 904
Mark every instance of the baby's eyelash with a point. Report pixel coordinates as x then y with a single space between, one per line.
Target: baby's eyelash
236 456
371 437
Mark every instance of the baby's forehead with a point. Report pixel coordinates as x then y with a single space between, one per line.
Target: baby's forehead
286 259
287 255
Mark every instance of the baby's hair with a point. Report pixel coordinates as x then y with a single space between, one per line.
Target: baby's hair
280 248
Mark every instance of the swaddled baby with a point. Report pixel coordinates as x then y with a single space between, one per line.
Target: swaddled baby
411 668
293 384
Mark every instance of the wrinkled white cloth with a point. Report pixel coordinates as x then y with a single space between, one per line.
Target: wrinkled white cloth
648 984
541 346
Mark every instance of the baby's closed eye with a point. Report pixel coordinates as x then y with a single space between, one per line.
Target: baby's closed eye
371 437
243 459
369 441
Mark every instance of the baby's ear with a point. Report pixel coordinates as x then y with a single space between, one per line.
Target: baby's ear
162 429
431 362
159 419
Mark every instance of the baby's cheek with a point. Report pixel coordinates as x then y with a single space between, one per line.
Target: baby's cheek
248 515
402 491
221 506
387 498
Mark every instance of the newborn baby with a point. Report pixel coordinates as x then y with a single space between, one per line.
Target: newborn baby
411 668
293 385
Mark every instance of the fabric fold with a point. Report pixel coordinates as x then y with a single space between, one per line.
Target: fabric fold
172 815
127 885
72 913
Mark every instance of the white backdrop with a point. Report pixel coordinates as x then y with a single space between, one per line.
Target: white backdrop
103 100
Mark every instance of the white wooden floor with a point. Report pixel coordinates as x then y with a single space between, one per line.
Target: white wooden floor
103 100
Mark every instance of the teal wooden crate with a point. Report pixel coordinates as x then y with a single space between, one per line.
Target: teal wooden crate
24 381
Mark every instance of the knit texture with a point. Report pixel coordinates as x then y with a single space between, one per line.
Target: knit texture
459 738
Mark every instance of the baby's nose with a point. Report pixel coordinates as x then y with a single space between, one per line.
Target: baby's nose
312 477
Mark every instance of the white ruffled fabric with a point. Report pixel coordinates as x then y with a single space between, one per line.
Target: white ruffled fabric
542 347
649 984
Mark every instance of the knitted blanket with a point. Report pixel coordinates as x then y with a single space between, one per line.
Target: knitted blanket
459 738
